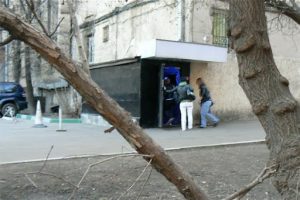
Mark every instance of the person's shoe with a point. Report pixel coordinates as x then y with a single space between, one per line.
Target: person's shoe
201 127
169 123
215 124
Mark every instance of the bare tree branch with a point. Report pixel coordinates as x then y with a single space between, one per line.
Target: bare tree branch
7 41
45 162
100 162
264 174
31 181
109 130
46 173
32 9
52 175
54 31
144 184
295 4
81 49
292 11
136 180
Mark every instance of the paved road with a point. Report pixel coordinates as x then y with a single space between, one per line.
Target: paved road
20 142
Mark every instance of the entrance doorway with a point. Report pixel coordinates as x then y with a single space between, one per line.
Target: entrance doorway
170 110
153 74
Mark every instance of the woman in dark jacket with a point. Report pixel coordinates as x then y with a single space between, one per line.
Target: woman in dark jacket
205 105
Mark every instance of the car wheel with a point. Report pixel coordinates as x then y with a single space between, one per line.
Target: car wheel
9 110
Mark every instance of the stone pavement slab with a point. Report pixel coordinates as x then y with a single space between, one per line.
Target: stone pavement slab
20 142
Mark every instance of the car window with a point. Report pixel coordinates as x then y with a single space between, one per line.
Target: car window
10 88
1 89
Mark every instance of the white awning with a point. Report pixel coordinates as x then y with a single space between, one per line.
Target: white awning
165 49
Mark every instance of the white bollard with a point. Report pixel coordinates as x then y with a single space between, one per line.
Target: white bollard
60 121
38 121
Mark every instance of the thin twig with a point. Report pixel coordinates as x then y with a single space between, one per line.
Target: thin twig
51 34
100 162
45 162
109 130
32 9
136 180
265 173
46 173
144 184
54 176
31 181
297 189
7 40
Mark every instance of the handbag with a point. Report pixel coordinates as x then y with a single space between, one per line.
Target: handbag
190 94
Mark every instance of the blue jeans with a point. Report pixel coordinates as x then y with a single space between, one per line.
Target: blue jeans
205 113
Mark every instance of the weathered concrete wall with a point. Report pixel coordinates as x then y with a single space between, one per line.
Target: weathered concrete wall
222 78
229 98
160 20
222 81
128 29
202 19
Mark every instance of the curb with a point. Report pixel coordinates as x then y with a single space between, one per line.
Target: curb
166 149
50 120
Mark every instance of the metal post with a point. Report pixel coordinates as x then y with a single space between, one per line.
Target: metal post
160 97
60 120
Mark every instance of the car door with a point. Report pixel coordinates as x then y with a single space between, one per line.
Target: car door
1 93
9 91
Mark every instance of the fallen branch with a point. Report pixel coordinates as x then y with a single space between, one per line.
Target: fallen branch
52 175
264 174
297 191
47 157
100 162
136 180
31 181
143 186
46 173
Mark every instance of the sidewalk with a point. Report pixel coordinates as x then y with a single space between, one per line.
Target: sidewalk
19 142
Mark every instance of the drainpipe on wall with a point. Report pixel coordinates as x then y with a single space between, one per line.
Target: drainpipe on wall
117 34
190 22
181 20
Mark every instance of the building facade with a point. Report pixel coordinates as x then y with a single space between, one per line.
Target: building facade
116 38
129 43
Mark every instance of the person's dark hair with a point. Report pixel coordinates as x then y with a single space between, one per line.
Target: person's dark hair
183 79
199 81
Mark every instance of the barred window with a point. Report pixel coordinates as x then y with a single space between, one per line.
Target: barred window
220 27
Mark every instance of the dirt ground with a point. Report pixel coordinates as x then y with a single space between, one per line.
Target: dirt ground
218 170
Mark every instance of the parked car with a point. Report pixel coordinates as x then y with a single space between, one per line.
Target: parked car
12 98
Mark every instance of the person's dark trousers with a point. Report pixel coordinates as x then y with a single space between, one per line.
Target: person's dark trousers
169 112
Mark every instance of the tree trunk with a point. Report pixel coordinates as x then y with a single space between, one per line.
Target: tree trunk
16 45
81 50
29 88
106 106
267 91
